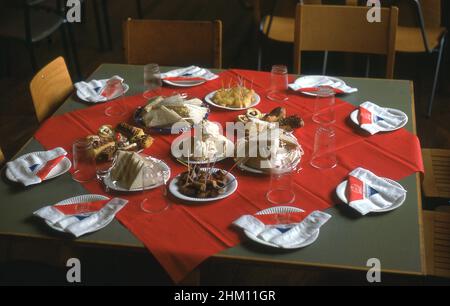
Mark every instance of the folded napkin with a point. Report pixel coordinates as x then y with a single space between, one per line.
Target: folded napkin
100 90
192 73
81 223
367 192
338 87
284 230
35 167
374 118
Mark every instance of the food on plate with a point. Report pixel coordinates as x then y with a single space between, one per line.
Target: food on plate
164 112
127 169
271 148
277 115
238 96
124 137
206 144
203 183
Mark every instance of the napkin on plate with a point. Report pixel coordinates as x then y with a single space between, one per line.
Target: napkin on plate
81 223
192 73
100 90
35 168
283 230
367 192
374 118
338 87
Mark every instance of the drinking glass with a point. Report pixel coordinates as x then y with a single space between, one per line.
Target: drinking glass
116 108
155 200
83 161
278 84
152 80
282 172
324 112
324 155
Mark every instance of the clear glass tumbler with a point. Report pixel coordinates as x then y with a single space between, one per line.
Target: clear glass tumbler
324 111
278 84
83 161
324 155
154 188
152 80
116 108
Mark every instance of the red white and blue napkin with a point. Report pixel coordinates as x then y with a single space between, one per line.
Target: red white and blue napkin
367 192
81 218
189 74
312 85
35 168
374 118
284 229
100 90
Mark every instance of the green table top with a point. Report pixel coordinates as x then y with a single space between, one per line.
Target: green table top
347 242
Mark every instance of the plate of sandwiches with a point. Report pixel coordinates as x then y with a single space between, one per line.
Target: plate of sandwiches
203 185
281 153
235 98
124 137
169 115
126 174
206 146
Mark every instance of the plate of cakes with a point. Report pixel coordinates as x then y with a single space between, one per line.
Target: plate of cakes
280 150
205 145
174 114
277 117
238 97
126 174
203 184
124 137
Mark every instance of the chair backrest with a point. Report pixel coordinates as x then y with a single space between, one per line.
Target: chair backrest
431 10
436 180
173 43
50 87
345 29
2 158
437 243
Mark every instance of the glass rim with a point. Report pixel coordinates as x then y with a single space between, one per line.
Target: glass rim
325 92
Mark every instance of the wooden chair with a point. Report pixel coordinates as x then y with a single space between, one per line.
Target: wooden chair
422 34
273 27
345 30
173 43
32 21
2 158
436 225
50 87
436 181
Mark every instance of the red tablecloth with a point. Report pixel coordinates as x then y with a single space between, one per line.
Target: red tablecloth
185 235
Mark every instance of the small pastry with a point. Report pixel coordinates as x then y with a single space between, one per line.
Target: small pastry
144 142
130 131
254 113
106 131
275 115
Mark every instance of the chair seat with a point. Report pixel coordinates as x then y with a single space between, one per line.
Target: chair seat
282 28
43 24
409 39
436 181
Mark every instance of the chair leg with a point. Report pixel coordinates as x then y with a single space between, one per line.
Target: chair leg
98 24
368 66
325 63
259 57
105 14
73 47
64 43
139 9
436 75
33 61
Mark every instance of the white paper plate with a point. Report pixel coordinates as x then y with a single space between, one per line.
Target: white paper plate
341 188
355 113
277 210
230 148
231 188
79 199
62 167
312 80
115 186
82 97
184 83
209 100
